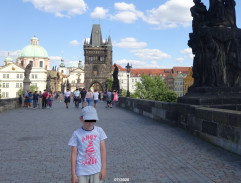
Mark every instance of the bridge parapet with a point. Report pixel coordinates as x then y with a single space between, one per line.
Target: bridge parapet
220 125
8 104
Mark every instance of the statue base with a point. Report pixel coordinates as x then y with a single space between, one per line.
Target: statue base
26 85
115 86
212 96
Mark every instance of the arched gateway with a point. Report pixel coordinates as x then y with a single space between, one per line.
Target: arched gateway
98 60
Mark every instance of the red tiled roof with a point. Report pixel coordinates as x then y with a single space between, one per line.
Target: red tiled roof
180 69
120 68
153 72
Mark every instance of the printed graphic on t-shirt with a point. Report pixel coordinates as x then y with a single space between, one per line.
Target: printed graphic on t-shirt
90 154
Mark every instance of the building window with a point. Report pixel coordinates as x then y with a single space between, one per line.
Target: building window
19 85
18 76
5 75
41 64
101 59
32 76
5 85
36 76
22 63
21 75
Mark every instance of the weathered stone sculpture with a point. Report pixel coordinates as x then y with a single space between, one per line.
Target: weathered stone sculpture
115 85
48 86
26 81
68 85
216 44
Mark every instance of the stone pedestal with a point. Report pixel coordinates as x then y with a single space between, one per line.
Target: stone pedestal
115 85
212 96
26 84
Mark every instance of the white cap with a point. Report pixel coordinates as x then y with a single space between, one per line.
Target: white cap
89 113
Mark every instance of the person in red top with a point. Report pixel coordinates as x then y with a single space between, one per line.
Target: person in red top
50 99
44 100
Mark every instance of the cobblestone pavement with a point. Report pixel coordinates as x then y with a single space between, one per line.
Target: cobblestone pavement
33 149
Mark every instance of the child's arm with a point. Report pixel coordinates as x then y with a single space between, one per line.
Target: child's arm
73 164
103 160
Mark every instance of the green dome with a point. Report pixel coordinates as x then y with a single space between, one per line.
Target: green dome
34 50
8 59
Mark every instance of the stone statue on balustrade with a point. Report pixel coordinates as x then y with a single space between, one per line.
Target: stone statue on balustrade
216 44
27 72
48 85
26 81
115 85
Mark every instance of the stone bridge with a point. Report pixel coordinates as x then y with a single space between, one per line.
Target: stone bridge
33 148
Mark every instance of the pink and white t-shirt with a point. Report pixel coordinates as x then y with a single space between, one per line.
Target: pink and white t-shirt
88 154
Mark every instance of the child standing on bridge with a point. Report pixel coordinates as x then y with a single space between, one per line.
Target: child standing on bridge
88 153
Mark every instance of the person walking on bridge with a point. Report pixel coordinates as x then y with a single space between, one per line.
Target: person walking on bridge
67 98
96 98
89 97
76 98
83 100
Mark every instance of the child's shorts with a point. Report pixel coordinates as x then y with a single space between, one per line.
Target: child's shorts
90 178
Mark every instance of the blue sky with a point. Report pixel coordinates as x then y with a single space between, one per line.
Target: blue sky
148 34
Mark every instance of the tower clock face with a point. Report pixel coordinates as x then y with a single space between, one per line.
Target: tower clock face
97 32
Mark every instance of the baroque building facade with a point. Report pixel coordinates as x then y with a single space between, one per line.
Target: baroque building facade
12 73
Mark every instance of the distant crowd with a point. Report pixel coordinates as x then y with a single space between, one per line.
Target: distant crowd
45 99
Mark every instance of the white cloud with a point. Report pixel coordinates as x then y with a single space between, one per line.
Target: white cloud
55 58
126 13
12 54
150 54
61 8
172 14
99 12
181 59
188 53
74 43
130 42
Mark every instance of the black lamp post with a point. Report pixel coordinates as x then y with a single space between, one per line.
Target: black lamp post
128 70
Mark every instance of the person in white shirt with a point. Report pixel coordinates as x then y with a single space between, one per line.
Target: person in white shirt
96 98
67 98
76 97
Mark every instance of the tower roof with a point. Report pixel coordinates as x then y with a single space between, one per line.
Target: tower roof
109 41
96 36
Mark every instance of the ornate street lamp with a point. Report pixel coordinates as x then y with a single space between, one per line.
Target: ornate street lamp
128 70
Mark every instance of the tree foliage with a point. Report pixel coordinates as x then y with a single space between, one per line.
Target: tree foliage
109 83
33 88
153 88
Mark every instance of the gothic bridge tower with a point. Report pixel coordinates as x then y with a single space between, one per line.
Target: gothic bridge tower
98 60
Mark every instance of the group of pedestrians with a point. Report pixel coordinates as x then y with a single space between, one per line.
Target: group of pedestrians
86 97
111 98
38 99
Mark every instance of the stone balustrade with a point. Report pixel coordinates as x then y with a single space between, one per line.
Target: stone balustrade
220 125
8 104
